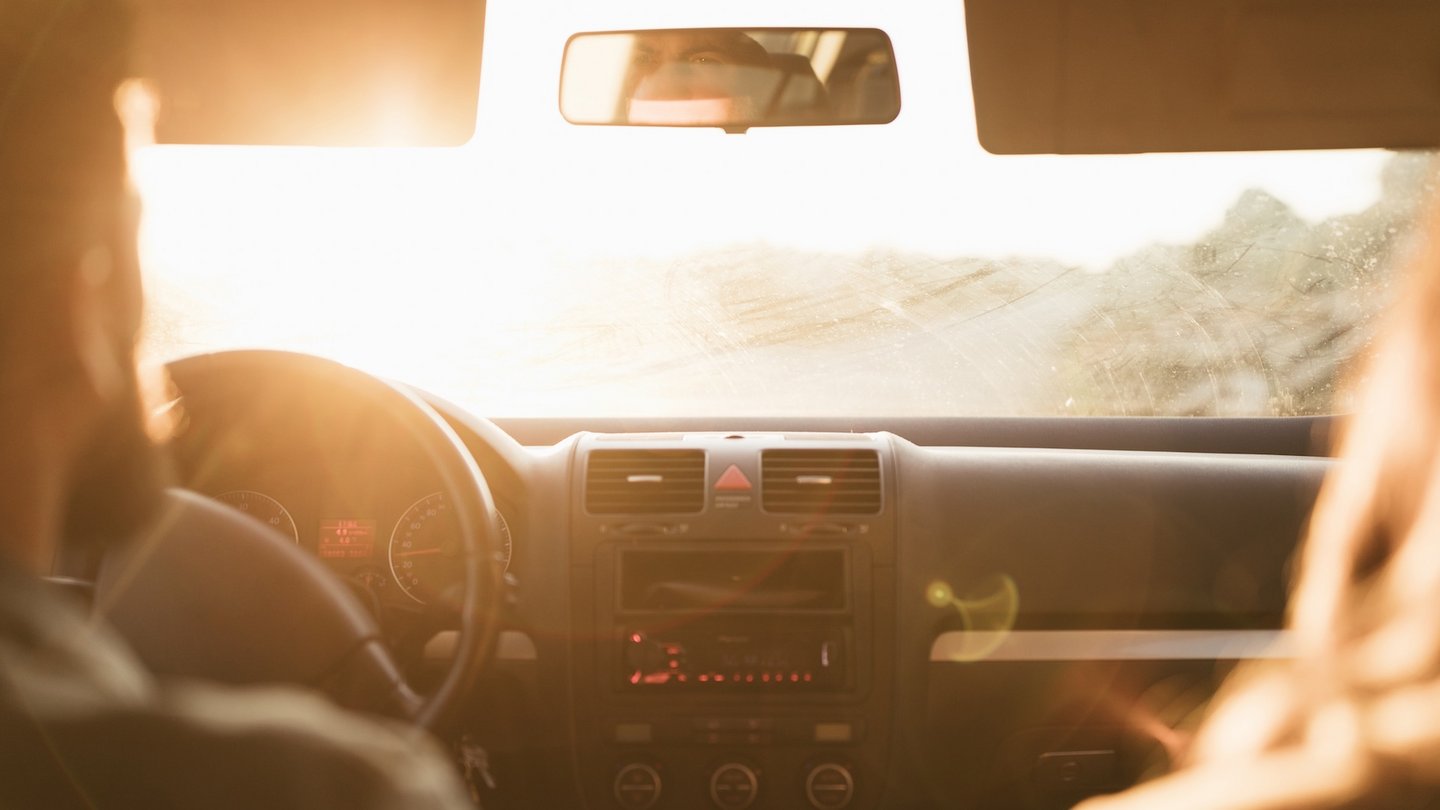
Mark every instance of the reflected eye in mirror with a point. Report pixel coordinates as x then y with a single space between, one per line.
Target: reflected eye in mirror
707 58
730 78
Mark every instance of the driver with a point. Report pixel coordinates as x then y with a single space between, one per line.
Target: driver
698 78
81 723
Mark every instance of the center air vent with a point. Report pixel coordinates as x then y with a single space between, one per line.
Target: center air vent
831 482
639 482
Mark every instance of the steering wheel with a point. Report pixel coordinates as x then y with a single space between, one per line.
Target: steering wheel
209 593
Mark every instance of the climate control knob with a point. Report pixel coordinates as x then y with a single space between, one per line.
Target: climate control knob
734 786
829 786
637 786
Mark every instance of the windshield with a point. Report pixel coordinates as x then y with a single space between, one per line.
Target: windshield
555 270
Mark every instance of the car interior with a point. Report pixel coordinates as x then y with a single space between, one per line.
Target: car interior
836 602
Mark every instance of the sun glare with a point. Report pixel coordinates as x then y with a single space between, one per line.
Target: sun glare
450 267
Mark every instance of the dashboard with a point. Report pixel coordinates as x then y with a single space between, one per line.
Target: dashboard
750 615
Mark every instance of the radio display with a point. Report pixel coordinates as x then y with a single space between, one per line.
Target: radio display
701 658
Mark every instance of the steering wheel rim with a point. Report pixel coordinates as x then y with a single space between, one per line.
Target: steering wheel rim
471 503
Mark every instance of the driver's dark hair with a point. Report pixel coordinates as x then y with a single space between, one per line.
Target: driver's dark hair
62 151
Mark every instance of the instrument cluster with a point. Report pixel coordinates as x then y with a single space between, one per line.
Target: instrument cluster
415 555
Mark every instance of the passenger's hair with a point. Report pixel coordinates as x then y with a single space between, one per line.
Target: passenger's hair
1354 719
62 153
1366 608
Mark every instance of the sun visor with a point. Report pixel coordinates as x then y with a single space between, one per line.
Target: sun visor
1122 76
312 72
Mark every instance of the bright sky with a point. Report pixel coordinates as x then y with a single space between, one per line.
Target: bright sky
365 255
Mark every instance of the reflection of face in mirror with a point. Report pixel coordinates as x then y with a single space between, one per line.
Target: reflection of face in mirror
732 78
655 48
698 77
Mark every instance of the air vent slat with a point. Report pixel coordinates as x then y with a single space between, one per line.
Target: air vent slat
831 482
645 482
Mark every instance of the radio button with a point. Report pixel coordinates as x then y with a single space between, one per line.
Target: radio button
734 724
734 786
637 786
645 656
634 733
834 733
829 786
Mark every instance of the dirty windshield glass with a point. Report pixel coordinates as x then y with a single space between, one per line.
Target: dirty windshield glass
550 269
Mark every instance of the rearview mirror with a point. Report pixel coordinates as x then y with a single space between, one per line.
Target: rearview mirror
730 78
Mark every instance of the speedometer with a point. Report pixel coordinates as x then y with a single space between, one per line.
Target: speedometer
263 508
425 551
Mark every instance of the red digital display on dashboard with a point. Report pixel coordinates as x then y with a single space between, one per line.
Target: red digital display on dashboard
346 538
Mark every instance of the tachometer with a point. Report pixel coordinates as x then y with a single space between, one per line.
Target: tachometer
425 551
263 508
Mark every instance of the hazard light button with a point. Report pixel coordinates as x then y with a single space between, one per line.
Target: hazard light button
732 480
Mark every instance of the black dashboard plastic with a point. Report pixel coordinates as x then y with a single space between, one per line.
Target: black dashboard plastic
1028 529
1090 538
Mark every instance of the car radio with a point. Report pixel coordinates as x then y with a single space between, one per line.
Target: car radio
728 619
736 655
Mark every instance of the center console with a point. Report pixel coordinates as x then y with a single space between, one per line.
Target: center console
732 606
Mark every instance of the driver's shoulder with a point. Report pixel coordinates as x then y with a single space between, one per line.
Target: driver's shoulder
213 747
57 661
357 760
82 724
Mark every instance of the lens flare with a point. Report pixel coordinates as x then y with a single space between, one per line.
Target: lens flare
988 613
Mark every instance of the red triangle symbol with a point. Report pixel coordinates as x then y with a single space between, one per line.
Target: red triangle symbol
732 480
